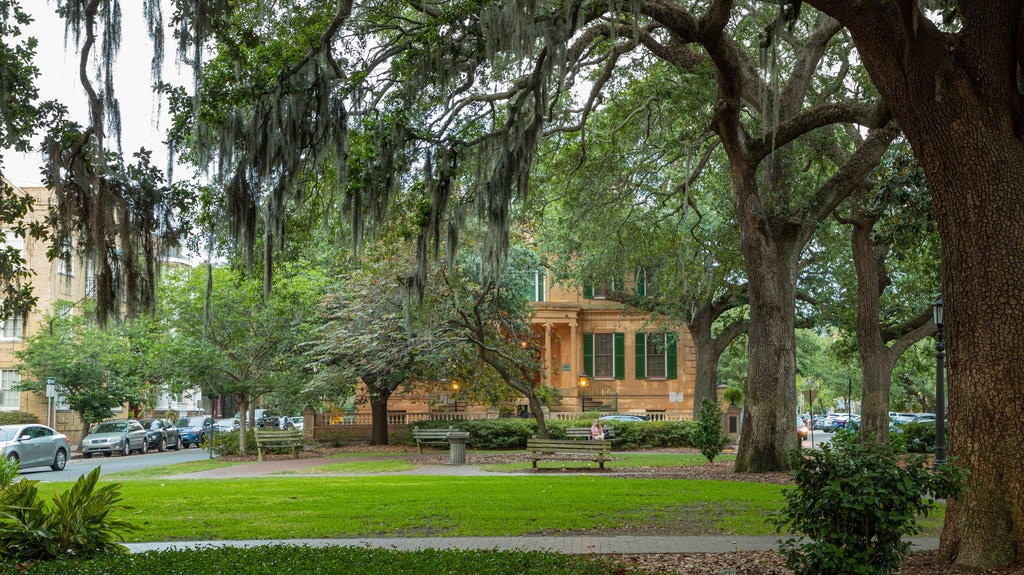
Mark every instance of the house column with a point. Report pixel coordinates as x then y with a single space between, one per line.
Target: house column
576 356
547 354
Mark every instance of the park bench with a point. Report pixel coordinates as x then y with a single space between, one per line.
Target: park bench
577 433
278 439
431 436
569 449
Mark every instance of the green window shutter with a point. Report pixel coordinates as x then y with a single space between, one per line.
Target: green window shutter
588 354
671 341
588 290
641 355
541 276
620 355
618 284
641 283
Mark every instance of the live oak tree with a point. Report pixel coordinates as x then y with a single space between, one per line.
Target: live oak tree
954 89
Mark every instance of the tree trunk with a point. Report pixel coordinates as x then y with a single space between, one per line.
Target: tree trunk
707 349
379 423
770 257
538 415
243 420
958 101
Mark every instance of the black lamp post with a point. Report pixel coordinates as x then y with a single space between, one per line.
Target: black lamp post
940 392
582 383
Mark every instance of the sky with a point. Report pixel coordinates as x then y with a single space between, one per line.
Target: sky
140 124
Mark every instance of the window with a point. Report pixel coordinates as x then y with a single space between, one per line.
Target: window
647 283
13 240
10 397
656 355
12 328
601 291
66 265
603 355
535 285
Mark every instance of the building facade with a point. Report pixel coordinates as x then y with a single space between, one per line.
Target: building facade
632 364
60 289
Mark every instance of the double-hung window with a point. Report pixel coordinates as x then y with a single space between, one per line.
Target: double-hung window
656 355
12 329
535 285
604 355
10 397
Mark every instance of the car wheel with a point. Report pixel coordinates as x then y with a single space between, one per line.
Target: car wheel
60 460
107 453
186 445
145 446
127 448
14 457
177 443
161 445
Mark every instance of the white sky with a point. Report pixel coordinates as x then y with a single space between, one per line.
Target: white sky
133 84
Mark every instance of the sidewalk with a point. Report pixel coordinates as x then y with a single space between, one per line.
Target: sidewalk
580 545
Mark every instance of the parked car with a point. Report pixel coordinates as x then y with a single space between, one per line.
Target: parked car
35 445
275 422
118 436
609 433
297 422
840 421
194 429
923 417
161 434
818 421
227 424
801 428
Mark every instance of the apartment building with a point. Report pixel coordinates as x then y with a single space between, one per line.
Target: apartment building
60 289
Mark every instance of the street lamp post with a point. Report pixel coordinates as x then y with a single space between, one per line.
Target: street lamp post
940 392
455 389
582 383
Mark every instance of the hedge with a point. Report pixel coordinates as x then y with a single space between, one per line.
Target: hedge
512 433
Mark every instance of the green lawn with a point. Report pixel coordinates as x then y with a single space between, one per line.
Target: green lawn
398 506
311 503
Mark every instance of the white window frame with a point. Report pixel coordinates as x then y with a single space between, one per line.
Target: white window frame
604 363
12 328
660 360
9 380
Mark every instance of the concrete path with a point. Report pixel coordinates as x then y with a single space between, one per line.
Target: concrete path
585 544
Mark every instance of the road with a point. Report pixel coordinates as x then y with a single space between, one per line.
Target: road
818 436
78 466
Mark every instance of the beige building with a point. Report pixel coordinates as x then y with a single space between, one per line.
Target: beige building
60 289
632 364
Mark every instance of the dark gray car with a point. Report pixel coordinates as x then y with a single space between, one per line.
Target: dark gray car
161 434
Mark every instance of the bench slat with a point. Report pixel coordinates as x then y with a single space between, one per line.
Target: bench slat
272 438
552 448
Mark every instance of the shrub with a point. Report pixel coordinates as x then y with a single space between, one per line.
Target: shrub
76 523
277 559
919 436
708 436
855 501
512 433
17 417
227 443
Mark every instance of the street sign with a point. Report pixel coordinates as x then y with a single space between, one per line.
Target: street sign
51 387
675 396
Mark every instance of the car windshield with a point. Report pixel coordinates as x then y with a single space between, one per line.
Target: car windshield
190 422
111 427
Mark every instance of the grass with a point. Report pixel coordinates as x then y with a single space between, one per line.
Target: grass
397 506
624 461
169 470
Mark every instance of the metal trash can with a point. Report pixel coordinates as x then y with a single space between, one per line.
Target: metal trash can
457 446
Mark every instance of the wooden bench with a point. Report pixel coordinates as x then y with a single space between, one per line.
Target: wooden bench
559 449
278 439
431 436
577 433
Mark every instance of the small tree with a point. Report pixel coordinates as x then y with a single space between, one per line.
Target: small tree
709 436
854 502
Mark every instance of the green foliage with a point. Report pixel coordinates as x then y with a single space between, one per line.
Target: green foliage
9 469
854 502
16 417
708 435
512 433
919 436
277 559
733 395
78 522
228 443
